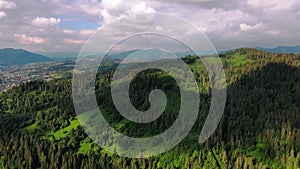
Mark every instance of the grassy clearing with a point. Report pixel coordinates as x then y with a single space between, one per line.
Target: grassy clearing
236 60
32 128
62 133
85 146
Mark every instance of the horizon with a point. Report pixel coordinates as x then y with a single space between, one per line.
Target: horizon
71 54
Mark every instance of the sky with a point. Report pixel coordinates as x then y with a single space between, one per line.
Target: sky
47 26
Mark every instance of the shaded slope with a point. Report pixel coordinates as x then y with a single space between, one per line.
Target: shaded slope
11 56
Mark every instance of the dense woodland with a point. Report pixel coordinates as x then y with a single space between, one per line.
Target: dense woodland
260 127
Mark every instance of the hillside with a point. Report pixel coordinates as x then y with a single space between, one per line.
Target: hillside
11 56
260 127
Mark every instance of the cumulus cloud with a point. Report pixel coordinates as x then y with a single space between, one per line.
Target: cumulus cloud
272 32
74 41
246 27
68 31
7 4
117 47
2 14
45 22
111 10
141 7
91 9
228 24
274 4
24 39
208 4
86 32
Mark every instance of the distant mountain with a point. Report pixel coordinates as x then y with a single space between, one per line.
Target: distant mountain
121 55
282 49
62 56
200 52
149 53
11 56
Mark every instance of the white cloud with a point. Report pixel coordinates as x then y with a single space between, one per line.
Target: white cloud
0 34
86 32
2 14
74 41
7 4
274 4
111 10
142 8
83 32
272 32
228 24
117 47
90 9
246 27
68 31
112 5
24 39
45 22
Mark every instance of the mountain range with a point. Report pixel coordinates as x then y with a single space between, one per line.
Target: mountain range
10 56
282 49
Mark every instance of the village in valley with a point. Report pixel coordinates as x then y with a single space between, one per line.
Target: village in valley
11 76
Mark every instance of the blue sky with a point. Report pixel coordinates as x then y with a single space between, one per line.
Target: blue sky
79 24
47 26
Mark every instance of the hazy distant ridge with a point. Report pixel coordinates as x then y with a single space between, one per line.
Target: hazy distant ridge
282 49
11 56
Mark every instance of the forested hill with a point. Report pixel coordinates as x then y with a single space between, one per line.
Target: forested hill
11 56
260 127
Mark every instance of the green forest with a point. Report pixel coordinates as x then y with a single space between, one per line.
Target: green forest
260 127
